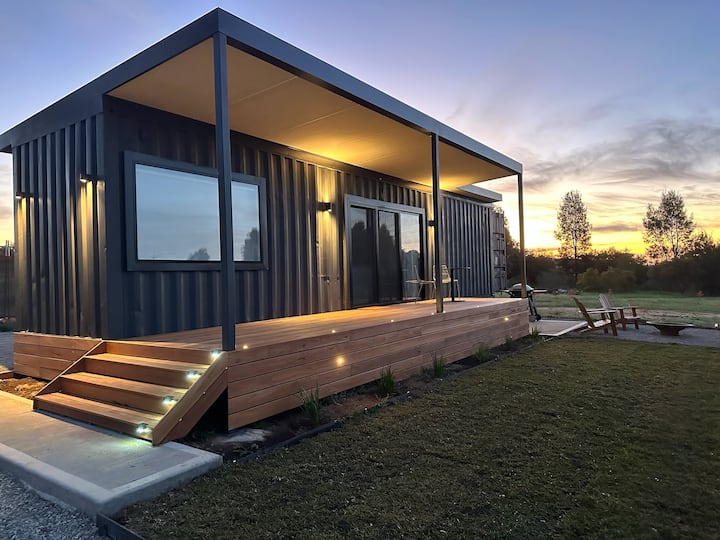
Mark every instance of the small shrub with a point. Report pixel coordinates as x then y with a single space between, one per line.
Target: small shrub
311 405
386 382
438 366
535 334
482 353
509 344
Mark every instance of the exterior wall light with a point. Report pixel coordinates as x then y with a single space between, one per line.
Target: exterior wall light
325 207
431 222
85 178
20 195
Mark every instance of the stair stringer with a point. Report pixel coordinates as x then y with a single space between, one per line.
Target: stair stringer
182 417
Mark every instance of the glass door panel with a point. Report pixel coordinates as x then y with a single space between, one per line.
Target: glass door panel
388 259
410 242
362 257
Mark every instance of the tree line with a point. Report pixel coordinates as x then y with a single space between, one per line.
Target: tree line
678 258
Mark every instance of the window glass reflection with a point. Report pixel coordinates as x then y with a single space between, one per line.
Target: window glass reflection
178 217
246 222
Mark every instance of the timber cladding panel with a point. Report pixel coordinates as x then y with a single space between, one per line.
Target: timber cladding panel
270 379
45 356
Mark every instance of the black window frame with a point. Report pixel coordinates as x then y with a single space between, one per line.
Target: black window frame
134 264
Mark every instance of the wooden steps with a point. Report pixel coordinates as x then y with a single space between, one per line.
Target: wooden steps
130 421
116 388
150 370
121 392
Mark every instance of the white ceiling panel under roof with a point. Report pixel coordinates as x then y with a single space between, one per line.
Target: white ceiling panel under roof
271 103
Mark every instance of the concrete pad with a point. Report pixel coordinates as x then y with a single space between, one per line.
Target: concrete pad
89 468
555 327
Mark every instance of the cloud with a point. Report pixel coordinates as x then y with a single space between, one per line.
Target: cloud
614 228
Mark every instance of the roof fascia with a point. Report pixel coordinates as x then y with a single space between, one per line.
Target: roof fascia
88 100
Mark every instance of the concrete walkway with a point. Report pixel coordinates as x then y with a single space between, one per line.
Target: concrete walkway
89 468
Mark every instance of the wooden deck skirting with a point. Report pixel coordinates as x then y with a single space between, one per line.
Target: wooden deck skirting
269 380
275 361
45 356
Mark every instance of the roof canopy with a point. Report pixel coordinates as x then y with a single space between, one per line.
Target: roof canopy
282 94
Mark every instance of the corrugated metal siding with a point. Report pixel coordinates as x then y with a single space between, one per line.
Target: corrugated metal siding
303 245
59 237
465 229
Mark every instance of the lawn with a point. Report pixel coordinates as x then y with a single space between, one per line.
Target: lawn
699 310
573 437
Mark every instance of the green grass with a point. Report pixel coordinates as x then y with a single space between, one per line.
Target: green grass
702 311
571 438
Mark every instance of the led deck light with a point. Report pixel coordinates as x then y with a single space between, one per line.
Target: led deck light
142 428
169 400
214 355
192 375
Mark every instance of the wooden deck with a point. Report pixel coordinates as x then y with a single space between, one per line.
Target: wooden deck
276 360
157 387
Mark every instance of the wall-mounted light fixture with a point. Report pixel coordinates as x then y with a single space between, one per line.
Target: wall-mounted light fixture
20 195
85 178
325 206
431 222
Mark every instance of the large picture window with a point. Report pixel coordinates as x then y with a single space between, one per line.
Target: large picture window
174 221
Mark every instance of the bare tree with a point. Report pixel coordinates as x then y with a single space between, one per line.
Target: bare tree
668 229
573 228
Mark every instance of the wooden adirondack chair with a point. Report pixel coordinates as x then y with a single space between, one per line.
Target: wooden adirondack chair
622 317
608 318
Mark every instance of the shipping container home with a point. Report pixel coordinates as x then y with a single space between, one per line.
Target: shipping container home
225 215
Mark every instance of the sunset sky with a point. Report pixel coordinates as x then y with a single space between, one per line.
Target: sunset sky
617 99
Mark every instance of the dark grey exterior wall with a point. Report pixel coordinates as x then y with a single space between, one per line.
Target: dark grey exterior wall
465 228
72 273
60 232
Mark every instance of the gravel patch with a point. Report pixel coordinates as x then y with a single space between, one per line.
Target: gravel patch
26 516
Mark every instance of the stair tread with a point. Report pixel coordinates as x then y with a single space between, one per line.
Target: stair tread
153 362
98 408
126 384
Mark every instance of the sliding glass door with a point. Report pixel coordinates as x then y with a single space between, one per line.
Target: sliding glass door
385 250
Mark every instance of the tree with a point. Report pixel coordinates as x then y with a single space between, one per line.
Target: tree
513 257
200 255
668 229
573 228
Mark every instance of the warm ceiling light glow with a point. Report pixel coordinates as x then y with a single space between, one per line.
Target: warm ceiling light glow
340 361
245 347
392 320
507 318
332 331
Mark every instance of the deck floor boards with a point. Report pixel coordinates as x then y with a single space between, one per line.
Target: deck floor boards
274 331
